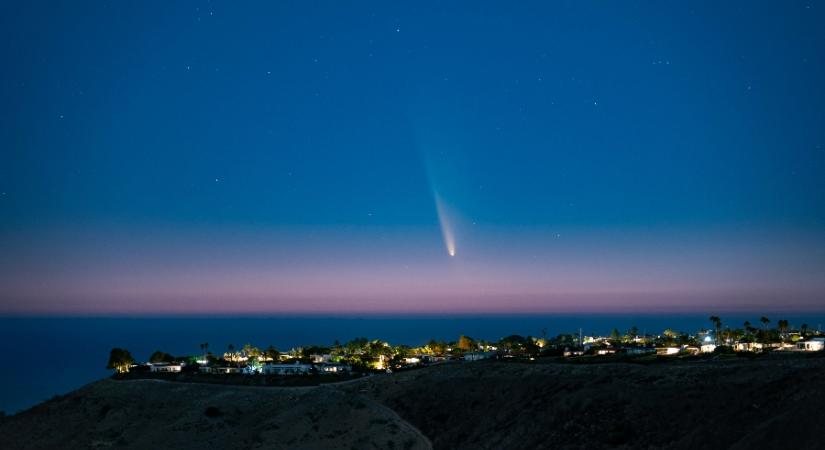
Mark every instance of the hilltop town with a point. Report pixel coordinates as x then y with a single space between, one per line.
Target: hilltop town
318 364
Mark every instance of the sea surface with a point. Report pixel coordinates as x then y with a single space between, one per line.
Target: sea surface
43 357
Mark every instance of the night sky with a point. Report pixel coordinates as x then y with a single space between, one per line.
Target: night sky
411 157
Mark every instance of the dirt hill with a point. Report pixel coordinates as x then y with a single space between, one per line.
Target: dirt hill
164 415
771 402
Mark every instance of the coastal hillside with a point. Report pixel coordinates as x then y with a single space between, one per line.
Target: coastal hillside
766 402
774 401
163 415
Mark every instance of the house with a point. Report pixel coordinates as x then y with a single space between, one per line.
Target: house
639 350
235 357
165 367
756 347
333 368
287 369
708 348
226 369
816 344
747 347
668 350
568 352
318 359
475 356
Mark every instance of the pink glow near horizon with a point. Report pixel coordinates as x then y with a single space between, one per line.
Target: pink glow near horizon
525 273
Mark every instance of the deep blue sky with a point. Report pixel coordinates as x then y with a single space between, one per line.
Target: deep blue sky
650 129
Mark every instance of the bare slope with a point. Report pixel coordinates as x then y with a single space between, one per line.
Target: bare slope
774 402
147 414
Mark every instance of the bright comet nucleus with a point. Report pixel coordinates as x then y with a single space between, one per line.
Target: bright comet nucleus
446 227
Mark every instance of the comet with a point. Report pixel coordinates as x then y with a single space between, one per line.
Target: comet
446 227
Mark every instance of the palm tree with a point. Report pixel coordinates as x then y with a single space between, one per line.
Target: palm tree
803 329
204 348
717 323
783 327
765 321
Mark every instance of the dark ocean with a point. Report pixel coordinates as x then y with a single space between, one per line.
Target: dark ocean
42 357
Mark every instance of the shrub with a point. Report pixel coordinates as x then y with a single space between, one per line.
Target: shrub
212 412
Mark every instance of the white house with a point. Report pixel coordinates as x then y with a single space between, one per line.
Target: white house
476 356
165 367
333 368
754 346
412 360
812 345
708 348
287 369
668 350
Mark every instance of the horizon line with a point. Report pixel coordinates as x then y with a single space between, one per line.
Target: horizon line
379 314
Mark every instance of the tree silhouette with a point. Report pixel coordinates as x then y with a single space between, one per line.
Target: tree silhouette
765 321
161 357
466 343
782 324
717 324
231 350
272 352
120 359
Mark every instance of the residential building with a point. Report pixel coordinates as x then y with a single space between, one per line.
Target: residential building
165 367
333 368
812 345
287 369
318 359
475 356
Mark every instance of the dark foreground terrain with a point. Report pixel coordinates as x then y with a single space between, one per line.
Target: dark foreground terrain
770 402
